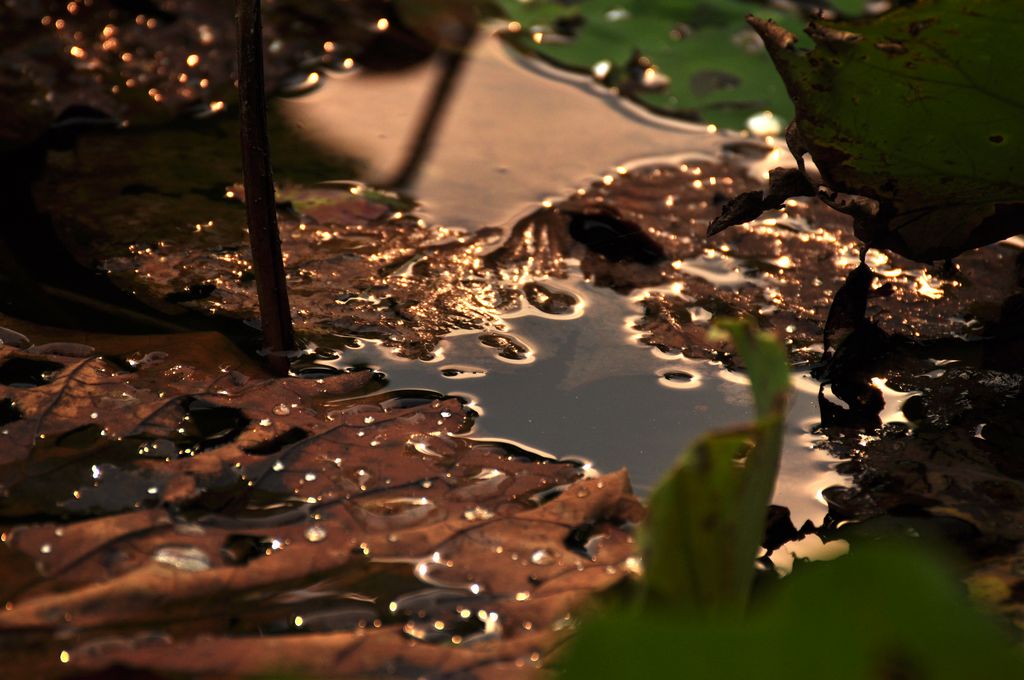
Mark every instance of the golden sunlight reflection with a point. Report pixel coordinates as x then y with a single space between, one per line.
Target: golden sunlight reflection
928 286
811 548
894 401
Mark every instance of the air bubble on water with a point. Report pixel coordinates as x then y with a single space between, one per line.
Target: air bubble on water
542 557
764 124
423 448
491 621
477 513
362 478
601 69
415 630
160 448
653 79
189 529
282 410
315 534
278 466
404 506
310 476
45 548
182 558
699 314
301 83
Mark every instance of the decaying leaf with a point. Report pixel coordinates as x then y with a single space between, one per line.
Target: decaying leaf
849 306
409 283
783 183
161 517
952 468
784 268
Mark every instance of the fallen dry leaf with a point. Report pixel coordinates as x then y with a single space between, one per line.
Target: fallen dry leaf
408 283
162 518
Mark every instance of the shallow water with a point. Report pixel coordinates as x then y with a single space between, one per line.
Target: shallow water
589 390
515 133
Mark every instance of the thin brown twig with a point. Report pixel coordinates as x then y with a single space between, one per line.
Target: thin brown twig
261 208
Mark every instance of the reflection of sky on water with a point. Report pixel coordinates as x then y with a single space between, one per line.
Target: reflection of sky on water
591 391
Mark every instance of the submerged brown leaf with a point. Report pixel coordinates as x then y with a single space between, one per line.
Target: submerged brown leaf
157 516
103 61
409 283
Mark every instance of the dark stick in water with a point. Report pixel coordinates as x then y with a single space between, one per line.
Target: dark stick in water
260 206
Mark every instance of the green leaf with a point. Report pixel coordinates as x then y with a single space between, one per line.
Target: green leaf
766 364
707 516
716 68
917 110
881 612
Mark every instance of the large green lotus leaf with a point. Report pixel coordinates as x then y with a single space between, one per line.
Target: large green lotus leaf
919 109
707 64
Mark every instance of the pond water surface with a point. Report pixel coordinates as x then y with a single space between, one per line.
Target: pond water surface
515 133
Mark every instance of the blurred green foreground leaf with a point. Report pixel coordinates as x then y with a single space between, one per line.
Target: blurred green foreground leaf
707 516
885 611
882 612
